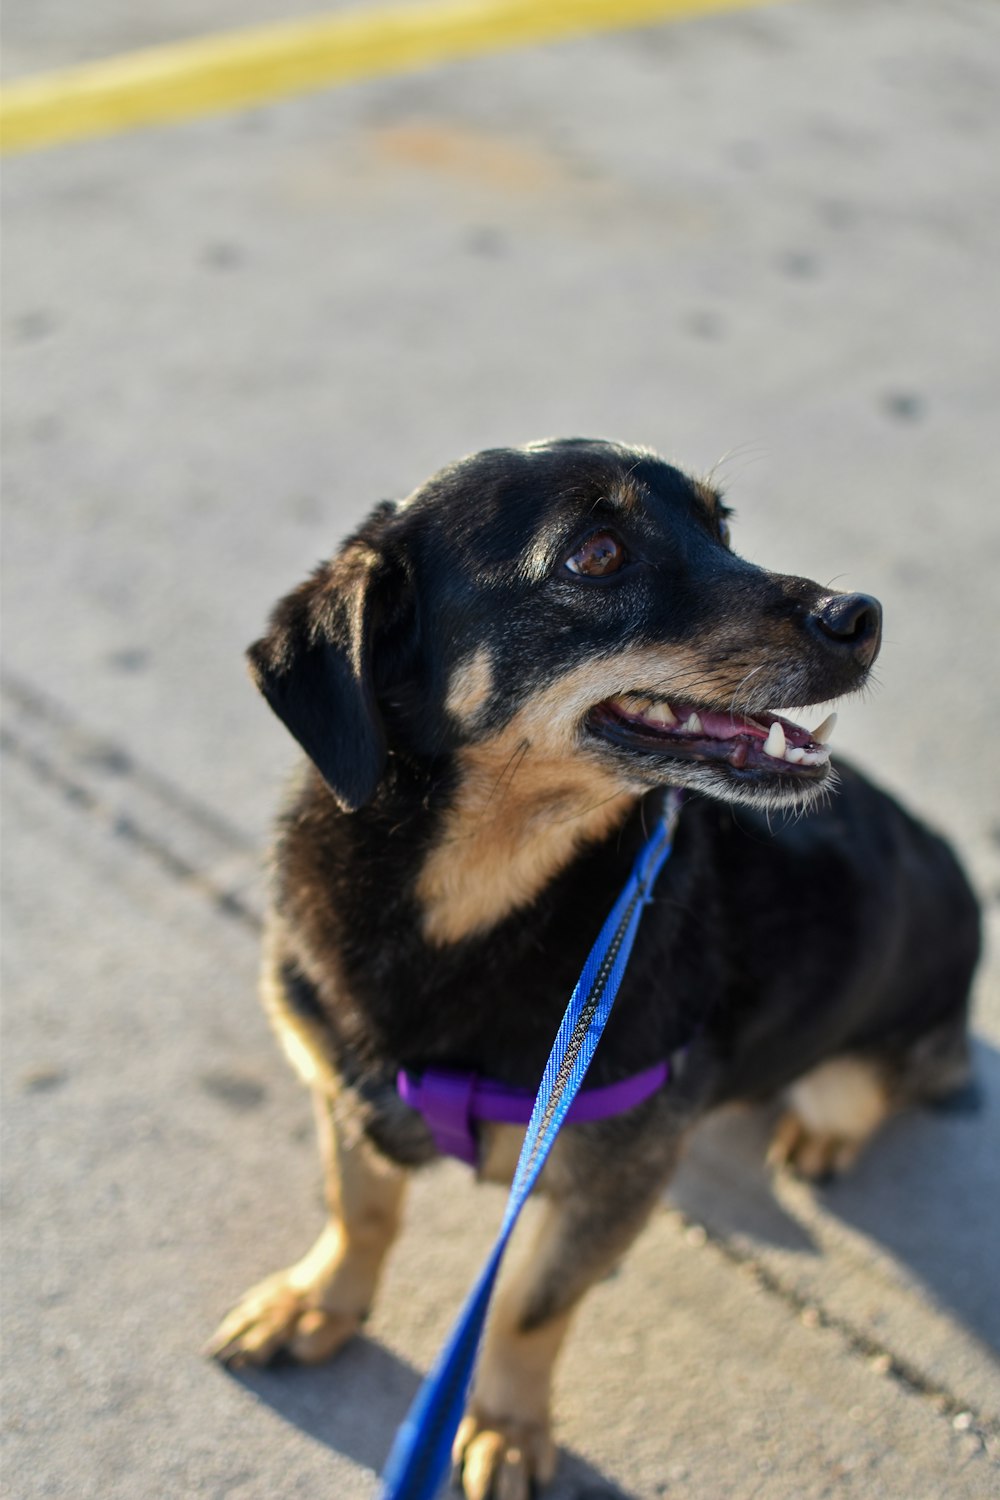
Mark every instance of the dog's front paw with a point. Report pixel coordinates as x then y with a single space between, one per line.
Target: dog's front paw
498 1459
279 1317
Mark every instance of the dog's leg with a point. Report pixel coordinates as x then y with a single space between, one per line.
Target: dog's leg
833 1111
312 1308
504 1446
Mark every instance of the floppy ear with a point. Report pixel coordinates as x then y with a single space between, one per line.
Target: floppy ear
315 667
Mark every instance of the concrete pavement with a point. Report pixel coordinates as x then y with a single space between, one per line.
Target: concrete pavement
769 234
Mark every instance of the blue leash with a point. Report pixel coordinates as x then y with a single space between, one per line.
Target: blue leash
422 1449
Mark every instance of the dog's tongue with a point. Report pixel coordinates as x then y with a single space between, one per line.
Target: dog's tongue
716 726
779 738
724 726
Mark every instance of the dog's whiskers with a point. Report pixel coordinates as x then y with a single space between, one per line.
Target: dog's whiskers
512 765
583 812
739 686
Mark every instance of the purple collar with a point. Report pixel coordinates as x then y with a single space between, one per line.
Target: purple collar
450 1101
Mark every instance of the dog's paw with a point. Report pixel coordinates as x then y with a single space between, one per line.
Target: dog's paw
277 1317
496 1459
814 1154
834 1109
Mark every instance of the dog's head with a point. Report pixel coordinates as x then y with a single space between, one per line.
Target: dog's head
573 598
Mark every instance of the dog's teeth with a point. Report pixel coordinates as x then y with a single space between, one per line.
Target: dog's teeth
661 713
693 725
794 755
822 734
774 745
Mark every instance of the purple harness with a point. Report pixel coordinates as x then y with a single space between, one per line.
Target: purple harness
450 1101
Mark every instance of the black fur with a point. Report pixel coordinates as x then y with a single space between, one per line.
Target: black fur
495 681
773 942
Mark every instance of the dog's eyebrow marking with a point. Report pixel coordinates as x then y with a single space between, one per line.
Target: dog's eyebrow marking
619 498
623 496
470 686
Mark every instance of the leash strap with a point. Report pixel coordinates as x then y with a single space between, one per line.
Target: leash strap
422 1449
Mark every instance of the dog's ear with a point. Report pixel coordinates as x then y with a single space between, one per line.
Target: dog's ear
316 668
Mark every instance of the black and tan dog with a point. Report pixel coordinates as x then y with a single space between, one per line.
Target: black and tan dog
494 680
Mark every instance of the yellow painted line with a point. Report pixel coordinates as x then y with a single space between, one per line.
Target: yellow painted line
247 67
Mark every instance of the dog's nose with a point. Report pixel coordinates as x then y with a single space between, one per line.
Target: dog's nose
851 622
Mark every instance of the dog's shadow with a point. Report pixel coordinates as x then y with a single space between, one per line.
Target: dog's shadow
355 1405
350 1405
926 1191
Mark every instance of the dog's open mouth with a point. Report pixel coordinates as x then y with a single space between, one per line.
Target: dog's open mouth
765 744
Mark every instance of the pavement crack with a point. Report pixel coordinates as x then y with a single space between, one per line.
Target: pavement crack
102 754
190 843
961 1415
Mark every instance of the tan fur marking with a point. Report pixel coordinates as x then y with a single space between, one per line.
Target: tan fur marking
531 796
311 1308
305 1043
504 1444
523 809
470 686
845 1096
501 1460
515 1377
628 495
500 1453
833 1111
499 1149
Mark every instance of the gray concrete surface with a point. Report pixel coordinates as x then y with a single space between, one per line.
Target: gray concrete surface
771 235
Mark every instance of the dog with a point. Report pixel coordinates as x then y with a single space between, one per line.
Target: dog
494 682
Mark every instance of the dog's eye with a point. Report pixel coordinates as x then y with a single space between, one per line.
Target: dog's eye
600 555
